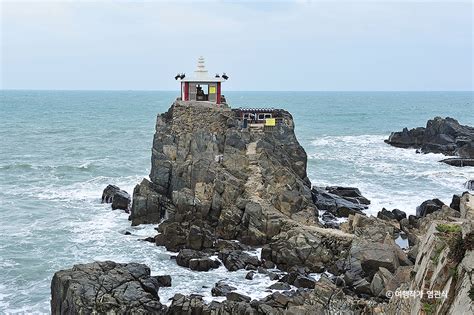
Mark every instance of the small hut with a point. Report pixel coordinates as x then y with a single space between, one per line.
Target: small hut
201 86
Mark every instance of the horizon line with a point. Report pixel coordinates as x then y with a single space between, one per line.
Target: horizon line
150 90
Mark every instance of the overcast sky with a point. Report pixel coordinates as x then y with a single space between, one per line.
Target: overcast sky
297 45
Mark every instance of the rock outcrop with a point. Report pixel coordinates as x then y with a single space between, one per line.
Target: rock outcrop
105 288
212 179
441 135
119 198
339 201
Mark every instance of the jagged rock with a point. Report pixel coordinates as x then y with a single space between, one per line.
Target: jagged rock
380 282
466 206
366 257
445 136
148 205
429 206
469 184
235 260
250 275
222 289
164 281
203 264
349 193
301 247
458 162
268 264
338 205
273 276
399 214
298 280
105 287
237 297
121 200
369 228
385 214
280 286
455 202
329 220
108 193
196 260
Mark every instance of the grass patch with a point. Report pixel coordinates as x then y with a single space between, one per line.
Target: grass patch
453 272
448 228
437 253
429 308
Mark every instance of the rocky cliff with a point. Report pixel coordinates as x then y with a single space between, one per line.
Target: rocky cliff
441 135
212 179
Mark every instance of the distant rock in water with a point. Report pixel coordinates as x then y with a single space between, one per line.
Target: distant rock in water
469 184
119 198
441 135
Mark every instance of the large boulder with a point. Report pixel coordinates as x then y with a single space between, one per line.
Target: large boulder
196 260
429 206
119 198
237 259
105 288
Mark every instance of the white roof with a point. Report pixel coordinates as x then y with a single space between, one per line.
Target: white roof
201 74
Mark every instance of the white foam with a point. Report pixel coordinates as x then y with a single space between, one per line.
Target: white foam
390 177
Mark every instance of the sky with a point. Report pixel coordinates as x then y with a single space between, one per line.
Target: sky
266 46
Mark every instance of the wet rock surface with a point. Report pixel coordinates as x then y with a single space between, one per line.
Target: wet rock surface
339 201
441 135
119 198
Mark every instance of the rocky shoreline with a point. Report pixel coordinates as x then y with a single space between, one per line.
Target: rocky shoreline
218 189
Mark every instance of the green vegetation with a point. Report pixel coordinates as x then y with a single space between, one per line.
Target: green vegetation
448 228
437 252
471 293
429 308
453 272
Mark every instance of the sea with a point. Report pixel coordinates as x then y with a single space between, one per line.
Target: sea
59 149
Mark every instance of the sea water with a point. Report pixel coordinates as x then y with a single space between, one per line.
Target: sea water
59 149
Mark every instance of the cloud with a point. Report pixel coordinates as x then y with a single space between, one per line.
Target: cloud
295 44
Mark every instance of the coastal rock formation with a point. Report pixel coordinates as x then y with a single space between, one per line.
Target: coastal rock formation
441 135
105 287
374 271
214 180
119 198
